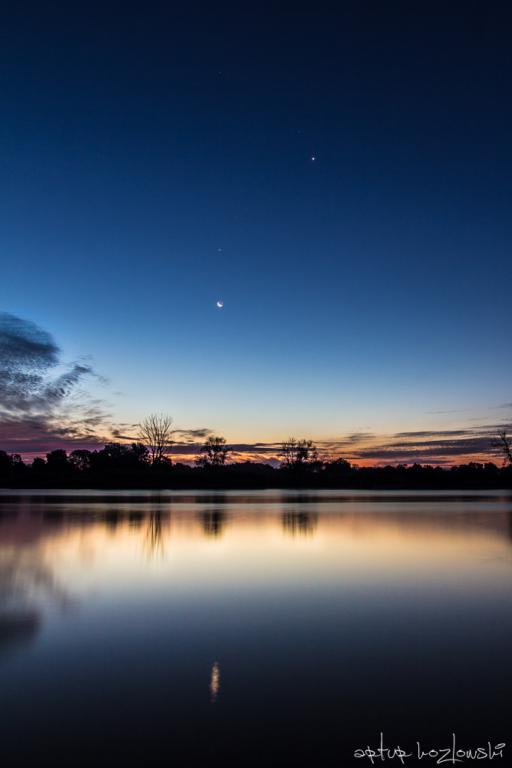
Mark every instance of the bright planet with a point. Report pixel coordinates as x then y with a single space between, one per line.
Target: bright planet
220 304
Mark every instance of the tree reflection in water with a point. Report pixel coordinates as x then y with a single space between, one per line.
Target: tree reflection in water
213 522
153 539
299 523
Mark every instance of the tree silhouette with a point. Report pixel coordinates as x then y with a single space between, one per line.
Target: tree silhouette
505 445
80 460
155 432
297 453
57 460
215 452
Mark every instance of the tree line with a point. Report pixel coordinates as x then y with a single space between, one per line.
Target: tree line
147 463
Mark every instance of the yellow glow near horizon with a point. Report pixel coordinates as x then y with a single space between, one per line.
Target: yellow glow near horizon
258 546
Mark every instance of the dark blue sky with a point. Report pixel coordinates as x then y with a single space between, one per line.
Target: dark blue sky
156 158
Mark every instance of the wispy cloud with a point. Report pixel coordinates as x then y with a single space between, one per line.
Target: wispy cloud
432 433
180 437
191 435
442 447
437 447
42 402
450 410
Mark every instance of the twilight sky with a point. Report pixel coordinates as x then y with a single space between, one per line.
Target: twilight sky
156 158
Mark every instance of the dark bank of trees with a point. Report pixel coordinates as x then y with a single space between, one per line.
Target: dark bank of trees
147 464
131 466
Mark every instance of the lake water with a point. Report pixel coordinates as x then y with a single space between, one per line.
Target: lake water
252 628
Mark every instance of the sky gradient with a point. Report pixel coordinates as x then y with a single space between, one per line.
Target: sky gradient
156 160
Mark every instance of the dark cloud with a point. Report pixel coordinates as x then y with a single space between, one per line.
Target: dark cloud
24 345
255 447
357 436
433 433
440 447
190 448
191 435
26 354
65 383
427 446
185 448
186 437
41 407
348 440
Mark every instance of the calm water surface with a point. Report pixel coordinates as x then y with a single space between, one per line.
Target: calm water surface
257 628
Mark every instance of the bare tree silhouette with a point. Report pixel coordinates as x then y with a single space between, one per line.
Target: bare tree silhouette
156 433
505 445
154 541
